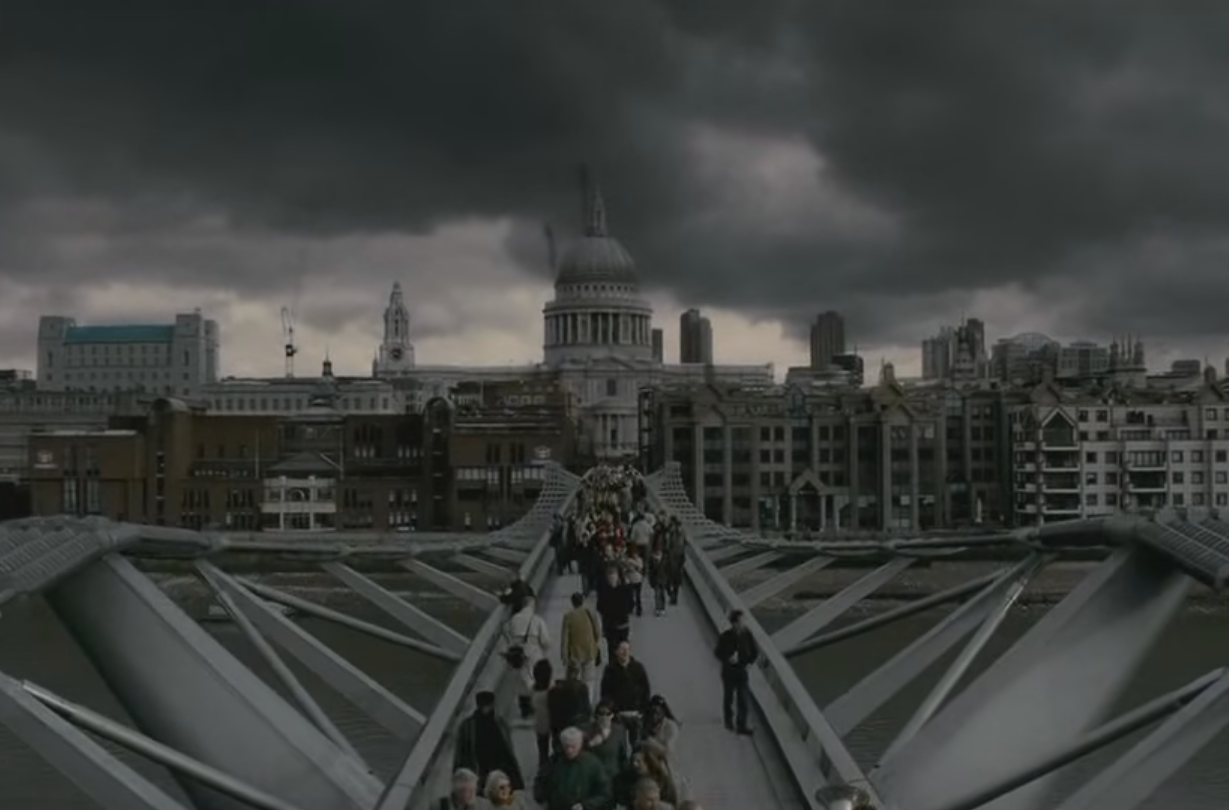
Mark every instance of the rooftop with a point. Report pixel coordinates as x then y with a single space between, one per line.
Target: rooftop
120 333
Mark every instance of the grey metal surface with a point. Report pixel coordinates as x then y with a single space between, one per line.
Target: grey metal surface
1049 693
1041 704
94 770
181 687
425 773
158 753
798 731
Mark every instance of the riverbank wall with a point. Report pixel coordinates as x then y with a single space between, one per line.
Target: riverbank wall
1047 587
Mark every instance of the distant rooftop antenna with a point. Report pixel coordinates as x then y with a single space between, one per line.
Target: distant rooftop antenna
551 251
289 348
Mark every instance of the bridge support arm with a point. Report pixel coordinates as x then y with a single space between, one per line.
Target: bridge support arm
181 687
746 566
452 585
828 611
307 704
93 769
1091 643
156 752
378 702
852 708
1143 769
1138 718
758 594
410 615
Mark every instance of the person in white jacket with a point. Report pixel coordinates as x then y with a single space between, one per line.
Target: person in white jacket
527 631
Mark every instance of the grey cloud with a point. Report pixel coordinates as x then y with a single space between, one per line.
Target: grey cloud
1050 146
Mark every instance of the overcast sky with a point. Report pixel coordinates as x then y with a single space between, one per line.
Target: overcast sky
1060 167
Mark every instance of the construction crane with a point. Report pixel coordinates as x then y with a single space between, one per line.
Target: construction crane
288 335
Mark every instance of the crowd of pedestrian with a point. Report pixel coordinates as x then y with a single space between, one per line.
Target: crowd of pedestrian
603 742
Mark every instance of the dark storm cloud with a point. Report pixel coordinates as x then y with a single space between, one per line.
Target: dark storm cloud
1053 145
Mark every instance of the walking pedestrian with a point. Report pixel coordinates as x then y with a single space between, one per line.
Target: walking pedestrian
736 650
580 642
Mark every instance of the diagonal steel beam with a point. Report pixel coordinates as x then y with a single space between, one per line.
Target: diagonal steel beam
1137 774
452 585
512 555
725 552
181 687
306 703
757 594
158 753
959 668
93 769
746 566
913 608
485 567
408 614
831 609
1120 727
1090 645
336 617
866 696
378 702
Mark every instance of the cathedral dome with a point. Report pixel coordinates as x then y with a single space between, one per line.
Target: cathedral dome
596 259
597 256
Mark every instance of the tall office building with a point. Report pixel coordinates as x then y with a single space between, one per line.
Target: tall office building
659 345
695 338
956 353
827 339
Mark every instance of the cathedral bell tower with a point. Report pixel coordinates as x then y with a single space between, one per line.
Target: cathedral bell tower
396 356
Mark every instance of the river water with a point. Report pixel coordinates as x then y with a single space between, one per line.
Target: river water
33 646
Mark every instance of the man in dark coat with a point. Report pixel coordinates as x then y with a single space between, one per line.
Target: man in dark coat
615 603
737 651
568 703
484 744
625 683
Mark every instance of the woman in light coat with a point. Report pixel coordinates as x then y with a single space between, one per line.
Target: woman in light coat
528 631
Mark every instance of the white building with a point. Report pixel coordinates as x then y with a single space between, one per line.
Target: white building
1084 457
165 359
598 339
282 395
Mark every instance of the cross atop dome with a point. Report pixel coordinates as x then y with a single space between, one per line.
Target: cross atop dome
593 206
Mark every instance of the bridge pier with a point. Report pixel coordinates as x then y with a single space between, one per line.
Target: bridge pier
182 688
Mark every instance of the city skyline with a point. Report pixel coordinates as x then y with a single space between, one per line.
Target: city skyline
252 338
140 182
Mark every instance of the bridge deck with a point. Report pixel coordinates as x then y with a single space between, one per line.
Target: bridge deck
718 768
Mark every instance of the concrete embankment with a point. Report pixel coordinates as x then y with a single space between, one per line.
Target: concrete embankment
1047 587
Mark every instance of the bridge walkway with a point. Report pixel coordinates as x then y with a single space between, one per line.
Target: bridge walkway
720 769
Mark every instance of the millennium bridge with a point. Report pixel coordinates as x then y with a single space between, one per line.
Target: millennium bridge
981 736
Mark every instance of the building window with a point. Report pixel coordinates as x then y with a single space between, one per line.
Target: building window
612 388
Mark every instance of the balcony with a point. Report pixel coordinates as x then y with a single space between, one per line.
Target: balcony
298 507
1060 461
1061 482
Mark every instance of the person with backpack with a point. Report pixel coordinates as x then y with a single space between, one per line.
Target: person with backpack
526 642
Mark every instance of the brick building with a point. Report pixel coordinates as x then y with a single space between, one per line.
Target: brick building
320 469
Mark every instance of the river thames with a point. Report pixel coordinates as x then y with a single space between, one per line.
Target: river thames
33 646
